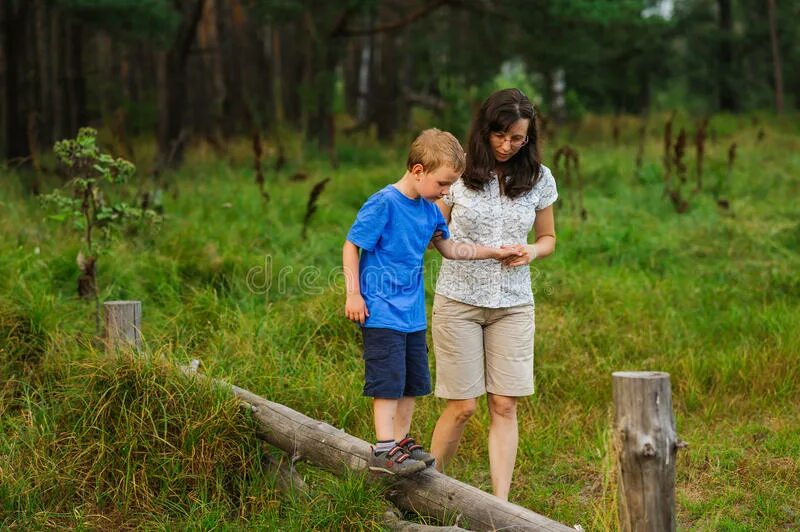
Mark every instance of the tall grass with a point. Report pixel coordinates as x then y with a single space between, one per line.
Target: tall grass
710 295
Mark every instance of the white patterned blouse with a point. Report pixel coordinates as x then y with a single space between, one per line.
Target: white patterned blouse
491 219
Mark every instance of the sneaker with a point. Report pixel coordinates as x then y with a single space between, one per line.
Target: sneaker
394 462
415 451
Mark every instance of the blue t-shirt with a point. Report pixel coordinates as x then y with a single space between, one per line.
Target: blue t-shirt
393 232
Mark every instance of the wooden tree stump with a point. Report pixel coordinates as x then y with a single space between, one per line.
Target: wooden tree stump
123 324
646 444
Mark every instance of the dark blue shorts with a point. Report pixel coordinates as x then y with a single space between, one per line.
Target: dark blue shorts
395 364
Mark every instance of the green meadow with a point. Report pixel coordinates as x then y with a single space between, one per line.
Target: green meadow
710 295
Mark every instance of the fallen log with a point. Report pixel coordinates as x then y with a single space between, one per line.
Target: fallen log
427 493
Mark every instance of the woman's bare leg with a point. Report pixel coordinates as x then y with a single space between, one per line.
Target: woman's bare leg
449 429
503 441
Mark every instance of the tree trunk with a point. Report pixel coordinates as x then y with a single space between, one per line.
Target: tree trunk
232 110
777 64
350 71
365 72
277 75
358 72
3 86
75 78
321 125
262 73
44 48
102 55
427 493
32 105
172 87
58 87
243 38
15 14
387 100
292 63
727 94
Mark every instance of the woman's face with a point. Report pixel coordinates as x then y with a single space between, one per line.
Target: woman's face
506 144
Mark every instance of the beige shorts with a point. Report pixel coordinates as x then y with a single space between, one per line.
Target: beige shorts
481 350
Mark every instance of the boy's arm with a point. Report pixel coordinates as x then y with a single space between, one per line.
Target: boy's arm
464 251
355 309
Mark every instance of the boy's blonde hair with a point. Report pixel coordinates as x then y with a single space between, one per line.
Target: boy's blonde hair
434 148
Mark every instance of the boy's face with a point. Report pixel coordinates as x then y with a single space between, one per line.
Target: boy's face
433 185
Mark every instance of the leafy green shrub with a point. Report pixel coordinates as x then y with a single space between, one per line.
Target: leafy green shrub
84 203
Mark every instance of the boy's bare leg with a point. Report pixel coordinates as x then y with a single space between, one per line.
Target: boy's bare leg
387 457
402 419
449 428
503 439
384 411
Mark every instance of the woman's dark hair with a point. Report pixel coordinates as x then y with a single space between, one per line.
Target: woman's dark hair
497 114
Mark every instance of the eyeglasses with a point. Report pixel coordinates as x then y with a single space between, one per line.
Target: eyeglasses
516 141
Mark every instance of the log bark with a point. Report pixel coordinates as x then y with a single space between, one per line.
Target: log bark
428 493
647 446
123 324
287 478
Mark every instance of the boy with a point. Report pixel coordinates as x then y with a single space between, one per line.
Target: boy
386 296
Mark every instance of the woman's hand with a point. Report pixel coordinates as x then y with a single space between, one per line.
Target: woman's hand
506 253
524 255
356 309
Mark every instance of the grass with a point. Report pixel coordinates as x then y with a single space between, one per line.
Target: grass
710 296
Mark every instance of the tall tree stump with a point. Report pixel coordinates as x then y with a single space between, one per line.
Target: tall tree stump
123 324
646 445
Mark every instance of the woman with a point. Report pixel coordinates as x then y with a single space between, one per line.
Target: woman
483 314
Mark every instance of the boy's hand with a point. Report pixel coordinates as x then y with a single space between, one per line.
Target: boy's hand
508 254
355 309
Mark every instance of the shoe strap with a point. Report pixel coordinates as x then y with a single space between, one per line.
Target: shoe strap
409 444
400 459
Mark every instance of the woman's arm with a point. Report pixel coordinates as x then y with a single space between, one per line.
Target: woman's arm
545 230
446 210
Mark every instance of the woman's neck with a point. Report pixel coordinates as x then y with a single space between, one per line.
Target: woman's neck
500 169
500 173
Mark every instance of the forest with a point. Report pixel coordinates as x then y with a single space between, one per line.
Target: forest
206 159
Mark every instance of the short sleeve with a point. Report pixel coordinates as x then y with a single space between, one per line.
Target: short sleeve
449 198
546 186
441 225
370 222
